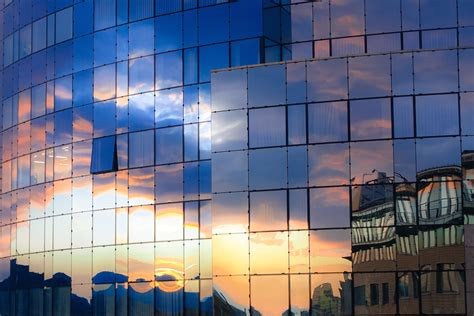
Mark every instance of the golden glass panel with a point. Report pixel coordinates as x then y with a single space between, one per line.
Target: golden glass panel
169 265
140 223
299 251
141 262
272 245
299 294
330 250
191 259
169 222
231 292
269 295
235 246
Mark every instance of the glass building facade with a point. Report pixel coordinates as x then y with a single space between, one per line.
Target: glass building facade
244 157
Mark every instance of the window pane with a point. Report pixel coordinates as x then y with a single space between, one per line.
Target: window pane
141 35
429 79
370 119
64 25
141 185
329 207
141 223
169 32
328 164
267 127
141 149
370 158
403 117
169 107
268 210
104 87
212 57
437 115
141 75
104 156
226 179
169 70
296 124
369 76
330 250
169 222
327 80
327 122
269 245
229 130
169 147
229 90
267 168
266 92
265 298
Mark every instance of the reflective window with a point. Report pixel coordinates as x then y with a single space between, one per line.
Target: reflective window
63 25
169 145
140 223
267 127
141 75
169 70
169 32
141 149
229 130
390 11
329 207
229 90
168 107
226 179
269 245
103 41
369 76
327 122
140 183
370 158
437 115
264 299
212 57
266 92
169 222
430 79
327 80
330 250
268 210
328 164
104 155
403 120
140 108
370 119
141 35
267 168
436 152
104 88
436 14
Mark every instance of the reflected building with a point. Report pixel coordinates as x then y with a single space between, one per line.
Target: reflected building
236 157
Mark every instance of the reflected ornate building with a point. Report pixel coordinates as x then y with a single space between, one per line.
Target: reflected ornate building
244 157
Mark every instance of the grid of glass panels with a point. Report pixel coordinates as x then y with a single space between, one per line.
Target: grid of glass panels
301 29
343 185
105 189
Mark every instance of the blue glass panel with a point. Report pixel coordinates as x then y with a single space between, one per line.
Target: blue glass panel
140 108
140 148
83 53
437 115
438 13
104 14
169 146
266 92
190 35
169 32
103 124
246 19
104 156
140 9
168 107
267 127
210 58
104 47
141 36
169 70
213 24
267 168
83 18
141 76
63 127
245 52
82 88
